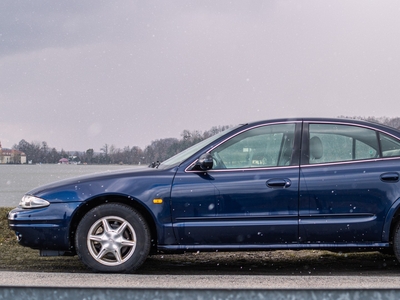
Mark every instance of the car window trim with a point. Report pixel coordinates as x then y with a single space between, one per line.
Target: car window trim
350 162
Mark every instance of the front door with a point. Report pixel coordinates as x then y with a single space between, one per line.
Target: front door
249 197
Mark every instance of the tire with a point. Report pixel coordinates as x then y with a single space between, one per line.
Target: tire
113 238
396 241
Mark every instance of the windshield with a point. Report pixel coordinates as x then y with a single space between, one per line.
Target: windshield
185 154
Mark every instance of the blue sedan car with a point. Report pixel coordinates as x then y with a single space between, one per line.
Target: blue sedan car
277 184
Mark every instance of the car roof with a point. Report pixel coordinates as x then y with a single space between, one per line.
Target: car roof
374 125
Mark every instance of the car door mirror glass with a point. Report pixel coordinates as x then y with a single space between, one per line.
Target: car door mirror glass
205 162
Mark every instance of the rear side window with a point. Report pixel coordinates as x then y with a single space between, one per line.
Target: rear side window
336 143
390 146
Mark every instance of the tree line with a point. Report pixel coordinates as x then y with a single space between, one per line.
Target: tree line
392 122
161 149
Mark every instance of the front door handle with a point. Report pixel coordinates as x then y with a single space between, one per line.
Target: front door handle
278 183
390 177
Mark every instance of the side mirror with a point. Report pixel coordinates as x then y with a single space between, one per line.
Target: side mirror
205 162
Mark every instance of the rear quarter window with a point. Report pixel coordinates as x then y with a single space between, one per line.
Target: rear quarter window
389 145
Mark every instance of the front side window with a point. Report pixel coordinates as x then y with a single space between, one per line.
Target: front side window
335 143
185 154
265 146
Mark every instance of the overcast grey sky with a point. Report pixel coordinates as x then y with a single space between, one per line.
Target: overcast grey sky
79 74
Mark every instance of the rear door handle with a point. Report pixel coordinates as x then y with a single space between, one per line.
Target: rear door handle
278 183
390 177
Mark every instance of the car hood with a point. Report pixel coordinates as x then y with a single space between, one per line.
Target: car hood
103 177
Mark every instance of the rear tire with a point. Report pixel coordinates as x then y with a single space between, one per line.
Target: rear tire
113 238
396 241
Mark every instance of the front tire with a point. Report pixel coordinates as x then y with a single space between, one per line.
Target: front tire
113 238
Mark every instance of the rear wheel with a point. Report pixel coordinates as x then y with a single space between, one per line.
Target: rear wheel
396 241
113 238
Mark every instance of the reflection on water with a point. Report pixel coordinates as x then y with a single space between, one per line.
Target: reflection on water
16 180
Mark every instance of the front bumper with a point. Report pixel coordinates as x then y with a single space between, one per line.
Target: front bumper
44 228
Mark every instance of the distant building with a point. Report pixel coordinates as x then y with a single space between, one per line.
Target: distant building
11 156
63 161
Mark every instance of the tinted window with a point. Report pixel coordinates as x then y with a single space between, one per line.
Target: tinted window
266 146
390 146
334 143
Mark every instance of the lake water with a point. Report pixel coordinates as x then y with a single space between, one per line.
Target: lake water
16 180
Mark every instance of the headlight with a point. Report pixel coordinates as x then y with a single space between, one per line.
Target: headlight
29 201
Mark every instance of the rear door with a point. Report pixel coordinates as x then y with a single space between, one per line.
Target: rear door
346 188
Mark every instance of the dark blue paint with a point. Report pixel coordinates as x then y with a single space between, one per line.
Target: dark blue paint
345 203
240 200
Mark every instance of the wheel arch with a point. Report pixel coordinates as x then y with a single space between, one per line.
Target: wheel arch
85 207
392 218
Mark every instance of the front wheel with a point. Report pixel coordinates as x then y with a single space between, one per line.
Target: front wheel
113 238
